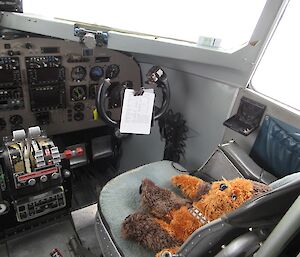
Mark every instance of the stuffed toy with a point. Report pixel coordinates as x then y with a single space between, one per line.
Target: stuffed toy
165 220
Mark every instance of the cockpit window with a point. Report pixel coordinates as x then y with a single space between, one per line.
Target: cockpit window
277 75
232 21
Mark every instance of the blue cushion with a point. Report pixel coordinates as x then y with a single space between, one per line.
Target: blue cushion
277 147
120 197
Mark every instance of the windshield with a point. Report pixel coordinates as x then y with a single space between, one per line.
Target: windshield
232 21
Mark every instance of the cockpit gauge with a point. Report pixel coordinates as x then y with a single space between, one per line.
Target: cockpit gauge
112 71
78 116
78 73
16 120
78 93
3 208
79 107
96 73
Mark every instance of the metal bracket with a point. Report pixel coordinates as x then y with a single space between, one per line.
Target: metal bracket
100 38
77 249
33 24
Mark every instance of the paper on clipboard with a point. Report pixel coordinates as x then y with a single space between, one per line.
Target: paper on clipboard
137 112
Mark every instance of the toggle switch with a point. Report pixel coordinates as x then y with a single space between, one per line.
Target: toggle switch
95 114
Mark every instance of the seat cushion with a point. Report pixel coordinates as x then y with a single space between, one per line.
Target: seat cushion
120 197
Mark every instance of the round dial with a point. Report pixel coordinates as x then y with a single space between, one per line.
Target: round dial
112 71
79 107
78 93
2 123
16 120
78 116
3 208
78 73
96 73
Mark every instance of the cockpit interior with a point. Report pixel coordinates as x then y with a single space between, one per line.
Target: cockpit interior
99 124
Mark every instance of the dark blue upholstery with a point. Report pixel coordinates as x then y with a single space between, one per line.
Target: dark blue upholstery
277 147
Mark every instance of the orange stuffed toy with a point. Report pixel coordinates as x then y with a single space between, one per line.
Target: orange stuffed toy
166 220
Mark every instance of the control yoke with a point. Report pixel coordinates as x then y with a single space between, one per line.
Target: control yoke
156 77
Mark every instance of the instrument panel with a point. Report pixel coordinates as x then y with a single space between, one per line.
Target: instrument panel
53 83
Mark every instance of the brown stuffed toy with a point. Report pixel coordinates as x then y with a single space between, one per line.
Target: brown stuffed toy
166 220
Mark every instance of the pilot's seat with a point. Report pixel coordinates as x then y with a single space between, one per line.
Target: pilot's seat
241 231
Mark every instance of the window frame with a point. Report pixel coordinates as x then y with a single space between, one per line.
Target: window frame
251 86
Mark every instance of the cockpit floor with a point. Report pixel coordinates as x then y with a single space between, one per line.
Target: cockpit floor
41 242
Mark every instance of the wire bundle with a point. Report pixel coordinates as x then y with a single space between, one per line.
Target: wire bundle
173 129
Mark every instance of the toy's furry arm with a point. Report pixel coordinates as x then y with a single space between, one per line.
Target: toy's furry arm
159 201
150 232
192 187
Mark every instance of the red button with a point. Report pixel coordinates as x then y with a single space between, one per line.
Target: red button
79 151
68 154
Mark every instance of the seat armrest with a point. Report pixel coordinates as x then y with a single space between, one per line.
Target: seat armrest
242 161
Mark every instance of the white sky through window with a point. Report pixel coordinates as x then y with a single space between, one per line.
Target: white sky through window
232 20
277 75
